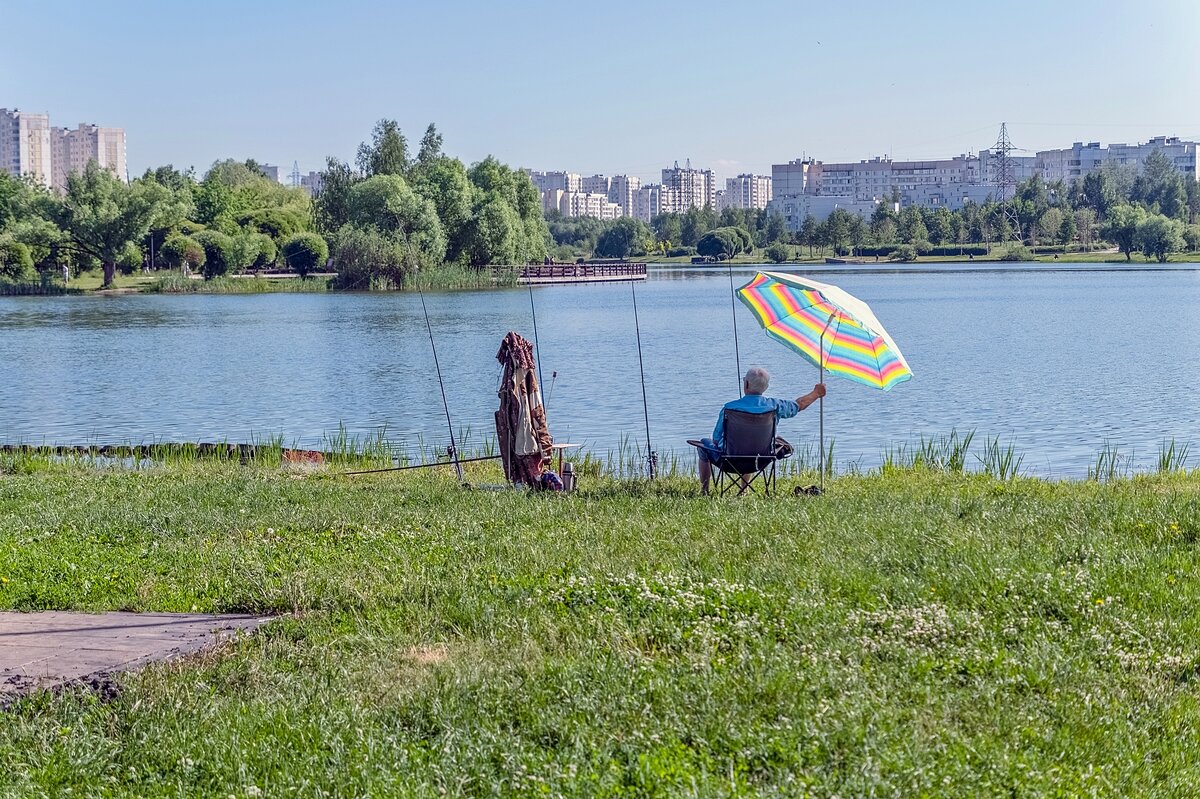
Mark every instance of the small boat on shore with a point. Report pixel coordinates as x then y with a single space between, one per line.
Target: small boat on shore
845 261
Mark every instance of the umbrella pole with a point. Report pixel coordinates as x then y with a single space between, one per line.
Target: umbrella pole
737 355
821 401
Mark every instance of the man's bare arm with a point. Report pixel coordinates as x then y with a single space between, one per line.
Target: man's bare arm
808 399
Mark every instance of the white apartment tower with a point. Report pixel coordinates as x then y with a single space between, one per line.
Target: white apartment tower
73 149
696 188
25 147
747 191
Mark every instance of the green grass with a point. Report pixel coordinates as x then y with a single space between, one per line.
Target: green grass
916 633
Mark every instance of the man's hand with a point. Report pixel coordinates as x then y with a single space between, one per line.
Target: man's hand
811 397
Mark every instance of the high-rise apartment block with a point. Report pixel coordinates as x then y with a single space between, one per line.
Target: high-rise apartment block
654 200
29 146
745 191
696 188
73 149
25 145
550 181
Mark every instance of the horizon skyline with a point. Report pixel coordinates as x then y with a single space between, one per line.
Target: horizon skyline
492 87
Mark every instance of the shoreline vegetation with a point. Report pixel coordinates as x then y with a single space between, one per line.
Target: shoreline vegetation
915 631
452 278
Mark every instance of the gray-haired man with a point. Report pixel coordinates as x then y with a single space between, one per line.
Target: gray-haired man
751 401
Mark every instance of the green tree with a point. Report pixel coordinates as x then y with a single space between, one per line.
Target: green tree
494 233
810 233
1159 235
1099 194
431 145
1160 187
1191 237
912 226
305 253
1121 227
368 259
219 253
99 214
940 224
16 262
387 203
444 182
776 228
668 227
331 203
1049 227
180 251
723 242
387 153
621 239
693 225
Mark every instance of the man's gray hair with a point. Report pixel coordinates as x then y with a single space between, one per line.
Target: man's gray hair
757 379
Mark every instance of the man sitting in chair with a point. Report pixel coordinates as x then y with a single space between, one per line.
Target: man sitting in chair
752 401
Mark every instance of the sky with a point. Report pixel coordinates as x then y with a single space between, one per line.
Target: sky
609 86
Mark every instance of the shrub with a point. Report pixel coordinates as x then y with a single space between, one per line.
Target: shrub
305 252
1016 252
218 253
676 252
779 253
905 252
179 250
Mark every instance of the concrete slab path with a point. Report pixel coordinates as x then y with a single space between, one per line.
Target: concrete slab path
52 648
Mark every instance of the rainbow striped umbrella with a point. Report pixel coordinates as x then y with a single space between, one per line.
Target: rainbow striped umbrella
830 327
833 329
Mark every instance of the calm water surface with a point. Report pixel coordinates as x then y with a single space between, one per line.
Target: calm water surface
1060 362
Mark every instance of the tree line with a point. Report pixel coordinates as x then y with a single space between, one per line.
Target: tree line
1153 211
374 223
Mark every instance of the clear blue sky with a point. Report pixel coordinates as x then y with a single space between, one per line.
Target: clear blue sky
610 86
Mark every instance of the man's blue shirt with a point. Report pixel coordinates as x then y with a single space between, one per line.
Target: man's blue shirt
753 403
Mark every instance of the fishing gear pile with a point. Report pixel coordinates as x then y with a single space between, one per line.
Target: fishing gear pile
521 429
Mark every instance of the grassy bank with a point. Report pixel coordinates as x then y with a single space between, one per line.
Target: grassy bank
909 634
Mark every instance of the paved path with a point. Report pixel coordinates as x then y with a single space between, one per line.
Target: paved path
48 649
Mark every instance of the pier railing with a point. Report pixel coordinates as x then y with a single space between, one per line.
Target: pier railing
586 272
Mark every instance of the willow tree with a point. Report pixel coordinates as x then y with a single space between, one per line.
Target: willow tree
100 215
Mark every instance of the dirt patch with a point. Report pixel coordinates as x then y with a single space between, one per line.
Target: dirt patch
428 655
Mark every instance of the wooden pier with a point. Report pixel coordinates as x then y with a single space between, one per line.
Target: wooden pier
538 274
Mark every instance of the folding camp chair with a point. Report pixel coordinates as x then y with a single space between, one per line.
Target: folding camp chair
749 452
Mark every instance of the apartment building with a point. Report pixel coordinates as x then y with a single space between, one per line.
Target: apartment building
579 203
550 181
25 145
653 200
795 208
696 188
621 190
72 150
1079 160
745 191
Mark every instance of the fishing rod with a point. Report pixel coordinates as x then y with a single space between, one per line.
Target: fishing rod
453 451
651 455
423 465
733 305
537 348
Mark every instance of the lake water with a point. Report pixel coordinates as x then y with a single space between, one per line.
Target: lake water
1059 361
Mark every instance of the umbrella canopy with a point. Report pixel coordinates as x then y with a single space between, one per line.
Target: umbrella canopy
804 314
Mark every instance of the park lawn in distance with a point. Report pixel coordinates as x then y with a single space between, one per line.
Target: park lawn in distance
911 634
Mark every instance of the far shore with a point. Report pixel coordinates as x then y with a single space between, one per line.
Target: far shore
169 281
